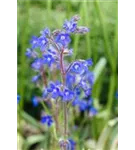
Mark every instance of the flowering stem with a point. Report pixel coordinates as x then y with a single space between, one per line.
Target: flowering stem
62 66
64 104
44 76
69 67
56 46
65 120
56 116
44 106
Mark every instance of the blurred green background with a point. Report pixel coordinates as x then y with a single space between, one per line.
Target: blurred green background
100 44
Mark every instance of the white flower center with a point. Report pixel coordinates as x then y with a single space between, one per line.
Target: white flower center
76 67
38 63
54 90
43 41
62 37
49 59
34 42
83 83
67 93
68 24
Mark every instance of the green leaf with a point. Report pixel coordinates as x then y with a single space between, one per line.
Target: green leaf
113 122
114 145
102 114
99 67
102 141
90 144
33 140
30 119
20 141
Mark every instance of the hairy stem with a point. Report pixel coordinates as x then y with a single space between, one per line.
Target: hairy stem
43 74
62 66
64 104
56 116
65 120
55 113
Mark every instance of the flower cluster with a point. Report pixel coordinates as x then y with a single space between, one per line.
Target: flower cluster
47 52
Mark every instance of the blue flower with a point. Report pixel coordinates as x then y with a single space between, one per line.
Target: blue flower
83 105
47 119
89 62
51 87
37 64
45 93
56 93
90 102
75 101
83 84
35 78
70 26
35 101
18 98
77 67
45 32
48 59
68 95
43 43
77 91
72 144
70 80
63 39
90 77
51 51
34 42
92 111
88 92
54 90
30 53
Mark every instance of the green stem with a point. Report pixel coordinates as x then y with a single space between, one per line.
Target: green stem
44 106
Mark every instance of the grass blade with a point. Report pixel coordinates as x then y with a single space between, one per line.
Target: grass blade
99 68
106 41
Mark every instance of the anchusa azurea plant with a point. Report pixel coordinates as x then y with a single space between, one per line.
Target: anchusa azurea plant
67 84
